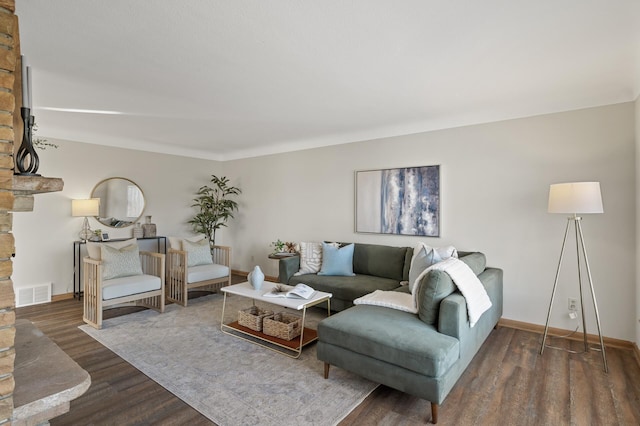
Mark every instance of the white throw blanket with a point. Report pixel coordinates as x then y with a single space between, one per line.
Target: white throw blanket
389 299
469 285
463 277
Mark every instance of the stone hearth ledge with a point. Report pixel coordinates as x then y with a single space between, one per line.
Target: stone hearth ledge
46 378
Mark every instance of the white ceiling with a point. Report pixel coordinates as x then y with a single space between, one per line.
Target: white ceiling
231 79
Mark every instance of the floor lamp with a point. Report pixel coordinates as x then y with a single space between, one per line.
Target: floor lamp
575 198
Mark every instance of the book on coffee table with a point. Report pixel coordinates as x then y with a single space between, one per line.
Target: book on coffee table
300 291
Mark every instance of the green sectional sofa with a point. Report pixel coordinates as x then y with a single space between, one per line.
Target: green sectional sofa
422 354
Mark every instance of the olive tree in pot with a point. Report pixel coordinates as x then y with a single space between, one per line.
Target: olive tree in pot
215 207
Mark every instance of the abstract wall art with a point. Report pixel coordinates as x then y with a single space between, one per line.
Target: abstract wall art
403 201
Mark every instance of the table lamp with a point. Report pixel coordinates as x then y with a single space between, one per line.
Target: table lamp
86 208
576 198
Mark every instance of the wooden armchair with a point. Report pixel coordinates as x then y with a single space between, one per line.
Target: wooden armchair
182 278
146 290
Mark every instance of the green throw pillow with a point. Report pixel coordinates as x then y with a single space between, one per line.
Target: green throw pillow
435 286
122 262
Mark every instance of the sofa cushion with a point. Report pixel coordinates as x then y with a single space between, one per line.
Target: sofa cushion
476 261
392 336
206 272
346 288
379 261
122 262
126 286
337 260
436 285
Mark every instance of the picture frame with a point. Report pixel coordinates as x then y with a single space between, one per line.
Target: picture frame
105 236
400 201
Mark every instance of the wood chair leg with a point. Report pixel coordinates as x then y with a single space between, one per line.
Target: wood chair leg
434 413
326 370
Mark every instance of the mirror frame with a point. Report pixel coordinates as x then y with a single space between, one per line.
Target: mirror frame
144 199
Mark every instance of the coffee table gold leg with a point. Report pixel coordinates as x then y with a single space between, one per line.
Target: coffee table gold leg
304 316
224 304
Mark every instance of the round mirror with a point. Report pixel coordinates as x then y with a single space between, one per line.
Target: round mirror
121 202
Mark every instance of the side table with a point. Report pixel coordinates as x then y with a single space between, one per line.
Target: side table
278 256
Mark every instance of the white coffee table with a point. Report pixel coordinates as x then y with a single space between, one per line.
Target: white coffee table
293 348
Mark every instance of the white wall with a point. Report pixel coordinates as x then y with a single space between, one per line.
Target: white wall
44 237
494 185
637 317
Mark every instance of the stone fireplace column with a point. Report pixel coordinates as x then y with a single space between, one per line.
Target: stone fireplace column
16 194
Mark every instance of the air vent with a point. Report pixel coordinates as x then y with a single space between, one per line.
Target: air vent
34 295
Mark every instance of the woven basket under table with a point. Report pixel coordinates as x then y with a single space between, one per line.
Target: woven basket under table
253 317
282 326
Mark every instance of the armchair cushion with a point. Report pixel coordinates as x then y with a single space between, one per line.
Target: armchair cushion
206 272
198 253
122 262
125 286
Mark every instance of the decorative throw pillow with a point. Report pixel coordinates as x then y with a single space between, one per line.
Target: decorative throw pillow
120 262
425 256
95 249
428 297
197 253
176 242
310 258
337 260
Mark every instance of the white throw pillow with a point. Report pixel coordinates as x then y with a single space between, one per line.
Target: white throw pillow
310 258
120 262
198 253
95 249
425 256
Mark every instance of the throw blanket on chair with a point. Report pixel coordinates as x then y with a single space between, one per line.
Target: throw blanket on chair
463 277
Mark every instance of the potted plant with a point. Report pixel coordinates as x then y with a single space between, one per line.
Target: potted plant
215 207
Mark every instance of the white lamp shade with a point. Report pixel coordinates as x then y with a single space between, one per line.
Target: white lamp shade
90 207
575 197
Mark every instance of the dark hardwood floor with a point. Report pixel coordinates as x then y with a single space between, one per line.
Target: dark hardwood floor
507 383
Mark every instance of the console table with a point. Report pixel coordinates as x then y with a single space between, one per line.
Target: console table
77 258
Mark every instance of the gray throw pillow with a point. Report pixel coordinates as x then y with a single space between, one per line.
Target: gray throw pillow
435 286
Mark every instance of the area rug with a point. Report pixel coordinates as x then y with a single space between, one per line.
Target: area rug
229 380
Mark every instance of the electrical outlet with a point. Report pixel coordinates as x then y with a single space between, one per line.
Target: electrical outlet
573 304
